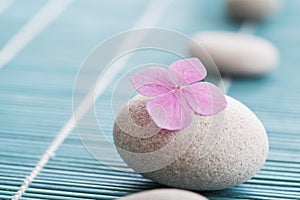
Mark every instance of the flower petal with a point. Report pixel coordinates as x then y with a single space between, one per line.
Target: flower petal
204 98
187 71
170 111
152 81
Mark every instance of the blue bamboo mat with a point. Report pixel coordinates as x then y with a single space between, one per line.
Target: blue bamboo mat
36 99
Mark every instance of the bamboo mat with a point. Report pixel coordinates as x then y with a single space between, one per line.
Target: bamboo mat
36 99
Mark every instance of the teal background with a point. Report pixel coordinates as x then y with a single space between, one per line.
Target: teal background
36 99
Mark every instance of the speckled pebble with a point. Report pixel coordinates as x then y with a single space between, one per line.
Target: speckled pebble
252 9
238 152
237 54
164 194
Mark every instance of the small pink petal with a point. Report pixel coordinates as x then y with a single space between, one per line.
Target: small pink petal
170 111
152 81
187 71
204 98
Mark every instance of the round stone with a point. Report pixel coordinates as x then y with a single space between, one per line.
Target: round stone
164 194
212 153
252 9
237 54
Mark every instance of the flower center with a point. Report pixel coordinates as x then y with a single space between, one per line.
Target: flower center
177 87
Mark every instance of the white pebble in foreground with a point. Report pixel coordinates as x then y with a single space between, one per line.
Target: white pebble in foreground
252 9
222 151
237 54
164 194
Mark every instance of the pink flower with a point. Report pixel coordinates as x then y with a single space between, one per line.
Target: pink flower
178 94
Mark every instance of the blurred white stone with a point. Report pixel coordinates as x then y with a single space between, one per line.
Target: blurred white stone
164 194
237 54
252 9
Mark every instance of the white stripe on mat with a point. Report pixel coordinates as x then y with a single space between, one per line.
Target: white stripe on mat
47 14
151 16
5 4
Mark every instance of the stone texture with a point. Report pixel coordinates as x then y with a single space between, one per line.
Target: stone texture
212 153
